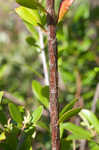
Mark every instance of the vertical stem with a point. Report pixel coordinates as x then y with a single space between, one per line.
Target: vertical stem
43 57
52 49
74 145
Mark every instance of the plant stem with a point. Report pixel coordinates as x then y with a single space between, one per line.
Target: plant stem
74 145
96 96
52 49
43 57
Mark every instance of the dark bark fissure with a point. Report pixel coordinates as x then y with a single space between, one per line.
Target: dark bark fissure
52 49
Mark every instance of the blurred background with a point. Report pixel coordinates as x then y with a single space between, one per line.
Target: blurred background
78 40
78 48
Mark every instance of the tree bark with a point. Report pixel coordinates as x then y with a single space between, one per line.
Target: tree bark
52 49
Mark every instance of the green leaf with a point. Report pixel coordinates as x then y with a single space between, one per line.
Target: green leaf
37 90
15 113
78 132
82 11
2 136
65 144
96 69
67 115
67 107
43 125
37 114
34 4
31 41
3 119
92 119
29 15
45 91
61 130
77 137
32 30
93 145
26 138
1 95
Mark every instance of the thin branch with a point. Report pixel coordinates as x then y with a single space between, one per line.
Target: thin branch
96 97
53 58
12 98
74 145
43 57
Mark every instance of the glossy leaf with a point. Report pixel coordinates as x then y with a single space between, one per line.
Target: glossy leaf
29 15
37 114
67 115
61 130
78 132
76 137
33 4
67 107
37 90
15 113
92 119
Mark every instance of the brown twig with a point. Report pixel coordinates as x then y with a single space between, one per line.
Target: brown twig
12 98
52 48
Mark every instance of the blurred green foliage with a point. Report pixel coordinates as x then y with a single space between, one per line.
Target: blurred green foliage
78 59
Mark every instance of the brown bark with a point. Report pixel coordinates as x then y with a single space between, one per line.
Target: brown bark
52 49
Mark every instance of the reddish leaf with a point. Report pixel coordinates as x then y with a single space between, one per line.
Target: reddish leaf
64 6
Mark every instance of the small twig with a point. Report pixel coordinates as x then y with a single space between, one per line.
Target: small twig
12 98
96 97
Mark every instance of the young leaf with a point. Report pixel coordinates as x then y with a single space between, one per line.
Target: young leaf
92 119
37 114
64 6
33 4
67 107
76 131
15 113
1 95
37 90
67 115
29 15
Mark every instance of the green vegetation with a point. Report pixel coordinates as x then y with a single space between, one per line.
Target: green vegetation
24 87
